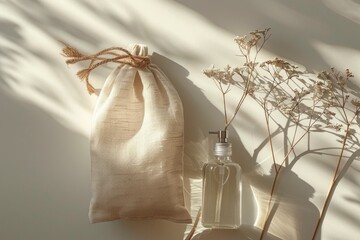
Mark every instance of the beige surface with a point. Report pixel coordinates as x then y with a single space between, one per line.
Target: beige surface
45 111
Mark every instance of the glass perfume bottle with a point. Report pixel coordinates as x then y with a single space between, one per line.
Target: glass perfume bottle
221 187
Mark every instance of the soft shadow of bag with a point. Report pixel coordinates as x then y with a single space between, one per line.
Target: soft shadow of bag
136 139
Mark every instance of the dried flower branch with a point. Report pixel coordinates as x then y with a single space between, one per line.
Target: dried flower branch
249 46
310 104
338 100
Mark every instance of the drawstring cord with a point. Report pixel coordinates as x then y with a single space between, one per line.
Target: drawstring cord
119 55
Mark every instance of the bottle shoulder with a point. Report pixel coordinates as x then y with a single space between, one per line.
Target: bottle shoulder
228 164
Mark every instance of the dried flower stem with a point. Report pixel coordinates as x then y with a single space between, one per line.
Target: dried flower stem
267 118
224 78
193 229
332 186
295 140
277 173
249 62
342 105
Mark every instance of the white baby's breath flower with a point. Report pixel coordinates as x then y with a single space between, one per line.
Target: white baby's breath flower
356 103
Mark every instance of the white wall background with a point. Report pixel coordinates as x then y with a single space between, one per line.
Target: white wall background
45 111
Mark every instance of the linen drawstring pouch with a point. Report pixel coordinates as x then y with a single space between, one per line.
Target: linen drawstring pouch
136 140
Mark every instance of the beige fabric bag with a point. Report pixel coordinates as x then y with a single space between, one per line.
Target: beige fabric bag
137 144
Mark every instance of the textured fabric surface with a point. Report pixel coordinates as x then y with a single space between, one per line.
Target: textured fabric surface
137 147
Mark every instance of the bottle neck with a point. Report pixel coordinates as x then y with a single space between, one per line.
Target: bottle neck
223 159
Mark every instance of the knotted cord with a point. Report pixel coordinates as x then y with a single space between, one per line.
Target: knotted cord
119 55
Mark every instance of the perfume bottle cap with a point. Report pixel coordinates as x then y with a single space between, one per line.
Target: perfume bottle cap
223 149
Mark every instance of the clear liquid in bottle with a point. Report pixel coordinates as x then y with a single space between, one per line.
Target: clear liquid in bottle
221 190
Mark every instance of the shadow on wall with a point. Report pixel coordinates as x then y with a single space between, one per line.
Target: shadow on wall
296 25
42 22
200 118
44 172
34 73
200 115
292 215
294 194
